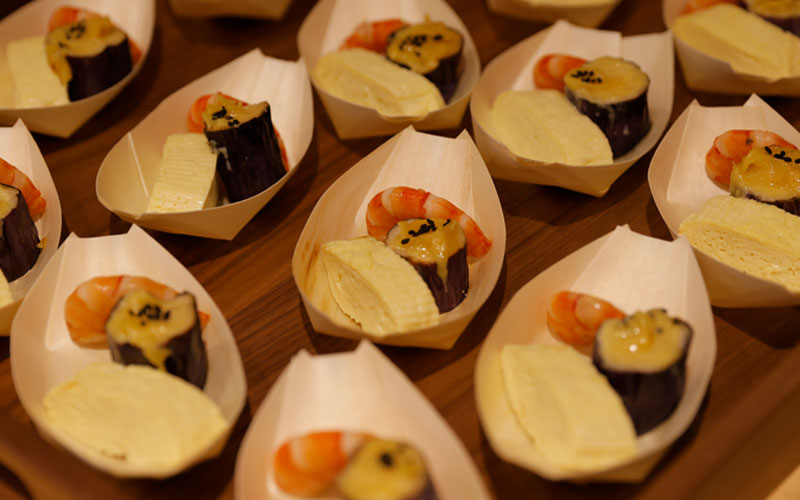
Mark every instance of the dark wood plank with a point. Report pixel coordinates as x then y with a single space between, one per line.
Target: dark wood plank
755 382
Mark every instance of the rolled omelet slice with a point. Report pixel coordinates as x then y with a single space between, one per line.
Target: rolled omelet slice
154 423
369 79
377 288
758 239
742 39
574 417
543 125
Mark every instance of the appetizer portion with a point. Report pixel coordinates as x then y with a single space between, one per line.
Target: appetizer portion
643 356
232 152
732 146
750 44
352 466
82 54
412 266
543 125
758 239
568 409
396 68
143 417
142 322
612 92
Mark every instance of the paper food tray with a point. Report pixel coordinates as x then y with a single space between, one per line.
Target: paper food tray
448 168
709 74
129 171
513 70
633 272
137 19
43 355
591 14
330 22
19 149
680 187
265 9
377 398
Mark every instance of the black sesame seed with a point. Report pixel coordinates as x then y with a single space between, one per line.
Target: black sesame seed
769 151
404 241
437 37
386 459
446 223
166 315
220 114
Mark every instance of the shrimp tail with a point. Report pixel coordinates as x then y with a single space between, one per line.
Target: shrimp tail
550 70
576 317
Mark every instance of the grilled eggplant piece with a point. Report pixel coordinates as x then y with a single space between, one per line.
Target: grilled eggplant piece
249 151
771 175
89 56
613 93
784 14
643 357
430 49
437 248
165 334
388 470
19 238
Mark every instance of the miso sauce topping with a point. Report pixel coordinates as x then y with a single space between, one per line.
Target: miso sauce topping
223 113
427 241
420 47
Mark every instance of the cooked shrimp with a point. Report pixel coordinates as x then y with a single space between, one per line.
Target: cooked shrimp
732 146
67 15
393 205
693 5
12 176
195 123
89 305
551 69
307 466
373 36
575 317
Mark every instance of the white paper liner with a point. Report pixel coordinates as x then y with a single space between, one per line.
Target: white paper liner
129 171
680 187
359 391
709 74
264 9
591 15
43 355
136 18
513 70
633 272
448 168
19 149
330 22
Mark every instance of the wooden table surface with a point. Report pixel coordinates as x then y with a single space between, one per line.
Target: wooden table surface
745 438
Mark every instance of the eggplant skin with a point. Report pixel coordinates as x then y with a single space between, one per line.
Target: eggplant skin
249 159
19 240
93 74
624 123
187 357
791 205
447 295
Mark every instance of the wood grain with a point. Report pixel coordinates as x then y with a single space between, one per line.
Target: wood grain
755 384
